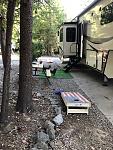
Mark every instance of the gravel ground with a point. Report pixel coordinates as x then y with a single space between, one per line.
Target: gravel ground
81 131
77 132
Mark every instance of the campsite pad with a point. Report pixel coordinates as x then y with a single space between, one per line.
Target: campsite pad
60 74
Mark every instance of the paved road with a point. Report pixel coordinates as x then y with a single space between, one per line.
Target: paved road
91 83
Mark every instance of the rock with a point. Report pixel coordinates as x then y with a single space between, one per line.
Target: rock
44 118
34 148
57 143
58 119
54 106
52 144
1 83
15 92
41 136
58 110
51 133
40 146
38 95
54 102
49 126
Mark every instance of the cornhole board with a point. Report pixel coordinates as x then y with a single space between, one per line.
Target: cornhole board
75 102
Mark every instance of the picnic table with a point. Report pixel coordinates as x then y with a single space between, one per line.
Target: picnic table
47 64
40 67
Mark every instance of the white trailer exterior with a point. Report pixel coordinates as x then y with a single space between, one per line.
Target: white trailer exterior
95 36
98 36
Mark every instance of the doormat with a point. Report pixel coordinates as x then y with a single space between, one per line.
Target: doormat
60 74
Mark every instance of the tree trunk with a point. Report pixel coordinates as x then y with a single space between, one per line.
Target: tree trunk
24 102
6 78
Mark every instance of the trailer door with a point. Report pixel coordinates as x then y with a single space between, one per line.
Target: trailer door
71 40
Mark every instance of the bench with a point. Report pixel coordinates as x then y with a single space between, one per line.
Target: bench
46 71
75 102
36 68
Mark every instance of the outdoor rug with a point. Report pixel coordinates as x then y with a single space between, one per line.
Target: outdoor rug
60 74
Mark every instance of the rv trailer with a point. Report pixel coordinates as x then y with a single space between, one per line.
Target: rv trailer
92 41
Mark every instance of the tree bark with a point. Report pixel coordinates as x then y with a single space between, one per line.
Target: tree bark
24 102
6 77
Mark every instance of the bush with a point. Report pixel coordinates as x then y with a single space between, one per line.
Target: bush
37 49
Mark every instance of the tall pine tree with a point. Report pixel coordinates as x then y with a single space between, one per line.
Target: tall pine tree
24 102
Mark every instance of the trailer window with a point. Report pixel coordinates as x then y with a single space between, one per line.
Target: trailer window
70 34
107 14
61 35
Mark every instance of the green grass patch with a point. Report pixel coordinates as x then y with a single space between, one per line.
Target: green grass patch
60 74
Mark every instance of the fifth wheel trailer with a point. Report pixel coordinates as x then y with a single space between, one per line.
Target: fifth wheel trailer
88 38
